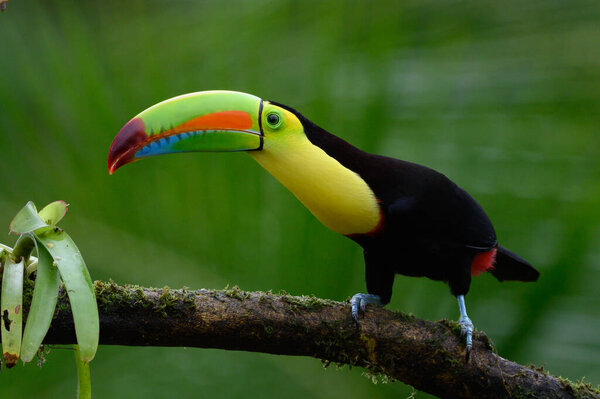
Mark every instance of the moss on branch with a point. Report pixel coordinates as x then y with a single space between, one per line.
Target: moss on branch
430 356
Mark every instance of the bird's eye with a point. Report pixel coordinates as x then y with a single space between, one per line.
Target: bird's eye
273 119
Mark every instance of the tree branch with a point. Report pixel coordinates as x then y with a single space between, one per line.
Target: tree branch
430 356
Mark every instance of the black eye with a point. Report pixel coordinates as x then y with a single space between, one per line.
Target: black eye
273 119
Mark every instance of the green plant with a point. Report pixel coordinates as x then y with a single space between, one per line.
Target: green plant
58 260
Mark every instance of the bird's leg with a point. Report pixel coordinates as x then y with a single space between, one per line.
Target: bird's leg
466 325
380 279
360 301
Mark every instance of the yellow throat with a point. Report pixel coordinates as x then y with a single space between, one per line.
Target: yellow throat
338 197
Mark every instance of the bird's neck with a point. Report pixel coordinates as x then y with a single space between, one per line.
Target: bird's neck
336 195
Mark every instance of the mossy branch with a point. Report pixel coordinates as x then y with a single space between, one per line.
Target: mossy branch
430 356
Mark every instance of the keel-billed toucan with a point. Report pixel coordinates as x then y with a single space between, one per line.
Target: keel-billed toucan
408 218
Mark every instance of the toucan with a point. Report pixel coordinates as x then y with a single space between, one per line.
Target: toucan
408 218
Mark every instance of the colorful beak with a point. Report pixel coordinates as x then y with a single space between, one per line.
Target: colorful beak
203 121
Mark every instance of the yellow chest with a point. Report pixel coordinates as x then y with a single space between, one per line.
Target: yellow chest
338 197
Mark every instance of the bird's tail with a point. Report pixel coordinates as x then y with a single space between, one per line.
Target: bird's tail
510 266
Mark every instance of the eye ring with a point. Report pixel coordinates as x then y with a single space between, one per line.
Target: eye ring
273 119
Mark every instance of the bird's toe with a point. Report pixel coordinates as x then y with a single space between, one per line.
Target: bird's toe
466 329
355 303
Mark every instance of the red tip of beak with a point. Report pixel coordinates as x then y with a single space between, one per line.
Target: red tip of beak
125 144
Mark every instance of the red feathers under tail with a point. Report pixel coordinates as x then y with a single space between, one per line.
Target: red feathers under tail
483 262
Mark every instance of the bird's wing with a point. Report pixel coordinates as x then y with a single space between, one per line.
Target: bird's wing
445 217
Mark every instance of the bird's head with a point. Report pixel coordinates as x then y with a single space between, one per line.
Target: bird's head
204 121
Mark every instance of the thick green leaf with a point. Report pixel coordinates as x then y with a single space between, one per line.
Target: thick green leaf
84 383
26 220
11 311
52 213
79 287
43 302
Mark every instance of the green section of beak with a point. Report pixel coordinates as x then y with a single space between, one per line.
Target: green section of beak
181 109
204 121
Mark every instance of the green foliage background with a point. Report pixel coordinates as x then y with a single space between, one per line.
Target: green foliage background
501 97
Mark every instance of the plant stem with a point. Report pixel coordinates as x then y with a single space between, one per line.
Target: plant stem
84 384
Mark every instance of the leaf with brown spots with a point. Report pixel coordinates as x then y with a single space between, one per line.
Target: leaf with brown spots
12 318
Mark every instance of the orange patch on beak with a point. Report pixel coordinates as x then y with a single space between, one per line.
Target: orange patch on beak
225 120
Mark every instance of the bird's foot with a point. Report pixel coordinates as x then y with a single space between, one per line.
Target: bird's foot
360 301
466 329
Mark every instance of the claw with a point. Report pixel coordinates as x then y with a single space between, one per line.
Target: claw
363 306
360 301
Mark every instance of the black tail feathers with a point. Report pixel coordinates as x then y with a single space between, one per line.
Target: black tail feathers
510 266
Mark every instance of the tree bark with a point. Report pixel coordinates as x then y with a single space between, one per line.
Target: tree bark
430 356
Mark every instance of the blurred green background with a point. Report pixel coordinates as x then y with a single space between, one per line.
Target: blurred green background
503 98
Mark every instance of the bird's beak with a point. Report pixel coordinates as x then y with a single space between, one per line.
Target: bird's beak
203 121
